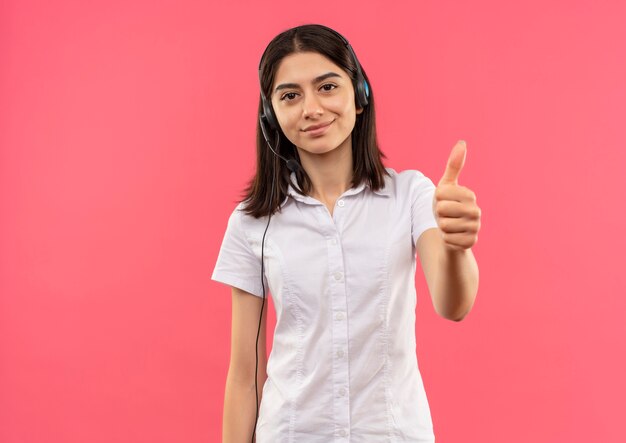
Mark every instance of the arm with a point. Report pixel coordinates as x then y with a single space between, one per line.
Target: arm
452 276
449 264
240 399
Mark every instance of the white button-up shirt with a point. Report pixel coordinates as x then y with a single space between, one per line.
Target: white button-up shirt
343 365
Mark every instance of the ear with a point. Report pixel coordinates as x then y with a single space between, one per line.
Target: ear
359 110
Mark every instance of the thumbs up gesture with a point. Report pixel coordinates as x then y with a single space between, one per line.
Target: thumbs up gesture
454 206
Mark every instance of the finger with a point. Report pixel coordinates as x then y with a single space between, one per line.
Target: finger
455 164
461 240
454 193
453 209
457 225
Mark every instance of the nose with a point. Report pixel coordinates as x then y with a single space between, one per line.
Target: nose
311 105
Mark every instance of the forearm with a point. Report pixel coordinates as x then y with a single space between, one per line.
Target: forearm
240 409
456 284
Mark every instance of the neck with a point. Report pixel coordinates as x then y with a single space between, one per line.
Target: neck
330 173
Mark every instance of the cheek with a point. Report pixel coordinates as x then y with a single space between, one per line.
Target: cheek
349 114
286 115
343 103
288 122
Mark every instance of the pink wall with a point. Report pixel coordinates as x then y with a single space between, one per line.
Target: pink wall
127 134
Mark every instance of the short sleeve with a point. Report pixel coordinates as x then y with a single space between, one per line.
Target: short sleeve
422 216
236 264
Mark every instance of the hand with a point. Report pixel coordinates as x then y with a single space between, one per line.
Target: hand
454 206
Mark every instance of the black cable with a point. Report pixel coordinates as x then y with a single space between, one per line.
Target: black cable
256 389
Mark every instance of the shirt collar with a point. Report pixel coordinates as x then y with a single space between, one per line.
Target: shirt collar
291 191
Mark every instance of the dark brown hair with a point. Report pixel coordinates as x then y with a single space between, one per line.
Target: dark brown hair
366 156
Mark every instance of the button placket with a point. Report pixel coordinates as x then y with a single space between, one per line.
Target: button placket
339 356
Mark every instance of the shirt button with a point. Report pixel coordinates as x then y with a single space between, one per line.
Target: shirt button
339 316
334 241
342 392
343 433
340 203
340 353
338 275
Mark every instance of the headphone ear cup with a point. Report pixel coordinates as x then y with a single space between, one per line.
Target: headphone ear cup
268 115
362 92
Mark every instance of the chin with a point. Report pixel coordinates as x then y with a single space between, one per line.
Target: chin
319 146
319 149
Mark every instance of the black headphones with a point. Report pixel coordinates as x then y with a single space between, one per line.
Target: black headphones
268 117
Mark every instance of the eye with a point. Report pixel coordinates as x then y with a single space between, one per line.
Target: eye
329 84
288 94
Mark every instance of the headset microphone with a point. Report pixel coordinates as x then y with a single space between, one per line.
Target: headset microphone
291 163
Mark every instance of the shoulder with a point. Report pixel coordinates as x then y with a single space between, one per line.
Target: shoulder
246 222
409 174
236 214
408 180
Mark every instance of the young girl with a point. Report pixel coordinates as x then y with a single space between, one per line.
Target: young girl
338 258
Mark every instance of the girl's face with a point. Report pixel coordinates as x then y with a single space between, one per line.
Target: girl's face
310 91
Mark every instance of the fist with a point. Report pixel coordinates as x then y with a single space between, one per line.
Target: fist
454 206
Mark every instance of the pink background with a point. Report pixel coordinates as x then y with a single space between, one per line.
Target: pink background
127 135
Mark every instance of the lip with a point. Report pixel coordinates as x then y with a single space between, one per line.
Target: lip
318 129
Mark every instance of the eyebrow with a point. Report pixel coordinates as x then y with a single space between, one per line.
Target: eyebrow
315 80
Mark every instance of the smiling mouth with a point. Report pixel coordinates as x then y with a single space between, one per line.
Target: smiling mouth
318 127
319 130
